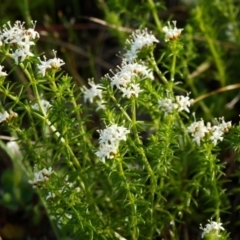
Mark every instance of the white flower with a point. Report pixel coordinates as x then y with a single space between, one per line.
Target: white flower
184 103
43 66
54 63
106 151
127 72
19 39
45 105
113 134
218 131
109 141
224 126
167 105
128 77
198 131
138 40
31 32
47 172
217 134
91 93
21 54
2 74
171 33
212 227
4 116
100 104
40 177
131 90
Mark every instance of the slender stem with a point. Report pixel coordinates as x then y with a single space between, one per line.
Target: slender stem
173 66
134 221
45 118
85 140
154 64
33 126
155 14
213 177
164 164
121 108
74 163
139 147
34 85
140 150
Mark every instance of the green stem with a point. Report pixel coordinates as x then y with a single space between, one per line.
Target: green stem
85 140
140 150
173 66
174 52
154 64
74 163
213 179
163 165
121 108
33 82
155 14
134 221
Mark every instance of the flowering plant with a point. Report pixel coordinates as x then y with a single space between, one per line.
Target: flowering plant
139 171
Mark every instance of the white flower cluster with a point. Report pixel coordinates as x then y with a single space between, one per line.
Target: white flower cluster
212 227
109 141
45 104
94 92
199 131
184 103
169 105
41 177
172 33
54 63
19 39
138 40
128 77
2 74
